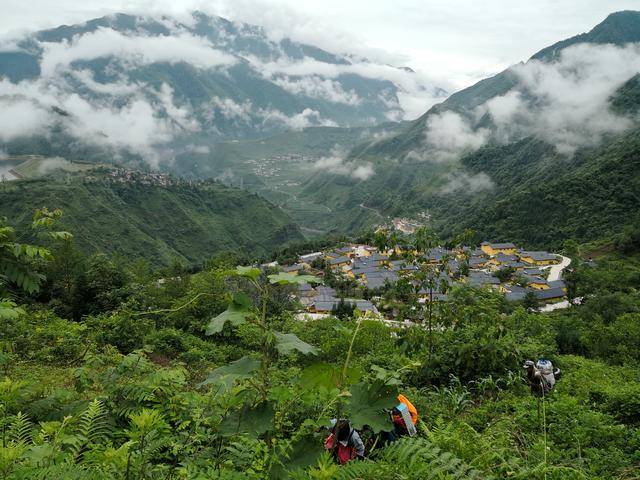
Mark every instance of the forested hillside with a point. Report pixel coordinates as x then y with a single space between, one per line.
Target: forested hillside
110 373
161 224
529 154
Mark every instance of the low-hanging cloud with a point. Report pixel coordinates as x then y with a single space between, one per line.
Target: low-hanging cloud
336 163
415 95
131 122
465 183
448 135
21 117
565 102
138 50
317 87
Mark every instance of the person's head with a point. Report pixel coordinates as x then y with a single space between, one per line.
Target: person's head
342 431
528 365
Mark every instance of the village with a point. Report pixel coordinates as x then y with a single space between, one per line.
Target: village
519 275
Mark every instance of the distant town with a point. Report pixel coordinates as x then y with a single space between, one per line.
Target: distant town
520 275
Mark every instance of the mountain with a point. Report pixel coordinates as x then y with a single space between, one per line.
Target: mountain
542 151
153 88
156 218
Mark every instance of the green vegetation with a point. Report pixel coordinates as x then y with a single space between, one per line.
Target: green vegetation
161 224
114 371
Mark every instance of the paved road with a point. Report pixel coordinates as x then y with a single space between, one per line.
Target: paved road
555 272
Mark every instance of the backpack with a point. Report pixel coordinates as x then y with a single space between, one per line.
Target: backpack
546 370
409 415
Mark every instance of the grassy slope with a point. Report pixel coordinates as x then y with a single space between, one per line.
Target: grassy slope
155 223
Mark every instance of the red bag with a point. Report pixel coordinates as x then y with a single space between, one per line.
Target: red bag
343 453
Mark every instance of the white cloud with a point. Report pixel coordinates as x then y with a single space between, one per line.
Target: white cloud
138 50
135 125
566 102
335 163
50 164
118 88
415 93
316 87
229 109
182 116
448 135
21 117
462 182
304 119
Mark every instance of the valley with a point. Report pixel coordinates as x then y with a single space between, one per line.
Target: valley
241 244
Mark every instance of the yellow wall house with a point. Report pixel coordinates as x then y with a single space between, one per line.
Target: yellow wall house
537 283
492 249
539 258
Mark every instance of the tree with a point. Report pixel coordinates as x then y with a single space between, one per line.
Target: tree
20 263
530 300
343 310
425 239
504 274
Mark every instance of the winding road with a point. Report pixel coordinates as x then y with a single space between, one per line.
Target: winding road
555 273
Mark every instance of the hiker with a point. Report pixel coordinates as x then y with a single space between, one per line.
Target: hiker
344 442
404 417
541 376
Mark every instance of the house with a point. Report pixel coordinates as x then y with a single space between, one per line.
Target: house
480 279
428 295
293 269
402 266
492 249
550 295
345 251
502 258
539 258
327 305
558 284
379 278
478 262
377 258
515 293
339 262
436 255
306 290
309 258
536 272
325 291
536 283
516 265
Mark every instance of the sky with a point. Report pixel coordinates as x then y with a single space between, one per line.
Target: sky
453 42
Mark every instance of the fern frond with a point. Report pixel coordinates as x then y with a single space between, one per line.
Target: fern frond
20 429
92 428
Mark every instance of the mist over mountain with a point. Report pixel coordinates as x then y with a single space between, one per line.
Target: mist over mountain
154 87
524 136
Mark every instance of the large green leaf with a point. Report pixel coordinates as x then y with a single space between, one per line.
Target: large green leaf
250 272
237 370
9 310
367 403
324 375
288 342
251 420
303 453
236 314
284 278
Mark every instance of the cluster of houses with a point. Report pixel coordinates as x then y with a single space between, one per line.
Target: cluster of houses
373 269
